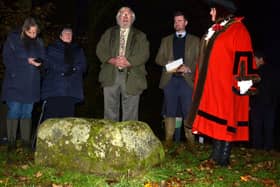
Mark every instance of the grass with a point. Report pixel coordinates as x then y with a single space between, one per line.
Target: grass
181 168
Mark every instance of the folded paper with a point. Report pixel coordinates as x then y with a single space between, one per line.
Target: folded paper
172 66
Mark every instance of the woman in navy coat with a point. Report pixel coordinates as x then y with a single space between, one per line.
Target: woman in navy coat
62 87
21 85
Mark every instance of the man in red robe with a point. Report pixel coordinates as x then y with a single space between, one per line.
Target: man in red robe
225 74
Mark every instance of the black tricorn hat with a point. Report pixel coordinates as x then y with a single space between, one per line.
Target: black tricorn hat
227 4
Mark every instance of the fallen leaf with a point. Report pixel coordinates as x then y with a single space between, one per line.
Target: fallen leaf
25 167
207 165
269 182
246 178
57 185
23 178
38 174
151 184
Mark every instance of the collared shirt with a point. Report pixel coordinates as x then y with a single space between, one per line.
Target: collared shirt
181 34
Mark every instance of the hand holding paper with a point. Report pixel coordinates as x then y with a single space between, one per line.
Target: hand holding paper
172 66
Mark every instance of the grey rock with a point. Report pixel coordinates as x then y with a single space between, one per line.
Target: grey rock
98 146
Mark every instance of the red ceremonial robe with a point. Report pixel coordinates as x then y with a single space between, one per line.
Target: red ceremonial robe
218 110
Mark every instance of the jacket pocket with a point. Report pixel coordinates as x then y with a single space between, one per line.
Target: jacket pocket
136 82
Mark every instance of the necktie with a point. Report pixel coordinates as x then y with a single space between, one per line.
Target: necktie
122 43
180 35
122 46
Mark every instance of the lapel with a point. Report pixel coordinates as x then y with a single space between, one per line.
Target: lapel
117 41
129 41
170 44
187 46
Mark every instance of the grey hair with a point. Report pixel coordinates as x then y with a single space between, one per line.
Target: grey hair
66 29
119 12
29 22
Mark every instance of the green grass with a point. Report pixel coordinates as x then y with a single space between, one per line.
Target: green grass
180 168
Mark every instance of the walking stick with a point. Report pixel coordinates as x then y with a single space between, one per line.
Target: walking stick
34 139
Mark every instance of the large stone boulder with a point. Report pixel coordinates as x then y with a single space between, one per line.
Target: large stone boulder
98 146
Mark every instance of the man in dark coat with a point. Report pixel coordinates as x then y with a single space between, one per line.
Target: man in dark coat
263 105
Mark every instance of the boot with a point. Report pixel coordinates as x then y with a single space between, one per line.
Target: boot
169 130
189 135
25 130
225 154
12 125
217 150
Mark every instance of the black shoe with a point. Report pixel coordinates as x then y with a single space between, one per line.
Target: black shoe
225 154
217 150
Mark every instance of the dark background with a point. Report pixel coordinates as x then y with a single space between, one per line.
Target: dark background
155 18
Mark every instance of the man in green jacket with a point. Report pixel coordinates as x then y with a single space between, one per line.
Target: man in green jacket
123 51
177 82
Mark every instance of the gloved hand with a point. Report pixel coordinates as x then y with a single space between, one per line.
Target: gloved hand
43 71
244 86
39 60
69 71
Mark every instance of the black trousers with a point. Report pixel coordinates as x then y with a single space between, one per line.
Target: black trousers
59 107
262 127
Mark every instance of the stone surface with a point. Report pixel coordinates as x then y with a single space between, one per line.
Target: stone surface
98 146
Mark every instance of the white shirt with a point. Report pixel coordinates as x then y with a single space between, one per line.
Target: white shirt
183 34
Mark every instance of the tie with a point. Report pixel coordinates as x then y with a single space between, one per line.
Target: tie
122 46
122 43
180 35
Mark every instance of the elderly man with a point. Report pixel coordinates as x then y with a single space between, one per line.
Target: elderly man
123 51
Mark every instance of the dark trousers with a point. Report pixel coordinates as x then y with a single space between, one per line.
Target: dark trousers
59 107
177 97
262 127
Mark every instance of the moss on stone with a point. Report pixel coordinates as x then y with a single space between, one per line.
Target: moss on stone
98 146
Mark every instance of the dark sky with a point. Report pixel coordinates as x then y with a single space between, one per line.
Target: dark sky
154 17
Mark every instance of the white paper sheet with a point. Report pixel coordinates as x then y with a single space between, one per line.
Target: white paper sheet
174 65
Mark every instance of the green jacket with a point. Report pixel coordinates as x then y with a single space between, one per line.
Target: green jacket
137 53
165 54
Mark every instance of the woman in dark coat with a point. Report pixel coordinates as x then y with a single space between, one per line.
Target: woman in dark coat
62 87
21 85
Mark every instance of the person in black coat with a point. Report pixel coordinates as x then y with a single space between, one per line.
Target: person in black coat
263 105
21 85
62 86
